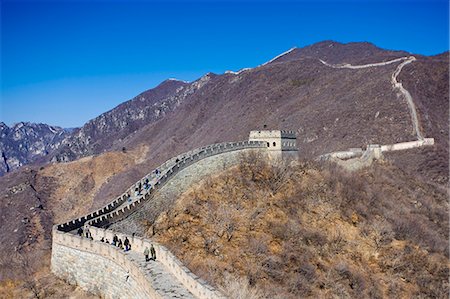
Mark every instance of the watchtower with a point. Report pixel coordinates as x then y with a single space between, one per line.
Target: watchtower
280 144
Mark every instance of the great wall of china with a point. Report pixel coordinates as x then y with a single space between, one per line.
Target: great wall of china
108 271
356 158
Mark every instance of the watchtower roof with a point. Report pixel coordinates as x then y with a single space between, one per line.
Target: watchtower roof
273 134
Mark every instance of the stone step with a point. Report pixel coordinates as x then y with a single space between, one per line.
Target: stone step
163 281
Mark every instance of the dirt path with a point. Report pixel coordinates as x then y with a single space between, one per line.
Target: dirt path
395 85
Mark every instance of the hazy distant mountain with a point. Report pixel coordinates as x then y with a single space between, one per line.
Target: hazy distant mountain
24 142
110 128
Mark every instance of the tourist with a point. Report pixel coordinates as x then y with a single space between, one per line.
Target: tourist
146 185
146 253
153 252
80 231
102 239
127 244
129 198
136 192
114 240
88 233
119 244
106 241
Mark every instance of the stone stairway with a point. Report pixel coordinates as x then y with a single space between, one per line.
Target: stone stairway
163 282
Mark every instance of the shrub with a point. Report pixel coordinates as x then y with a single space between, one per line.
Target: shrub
239 288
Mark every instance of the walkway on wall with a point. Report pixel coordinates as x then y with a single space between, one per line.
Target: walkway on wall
395 85
162 281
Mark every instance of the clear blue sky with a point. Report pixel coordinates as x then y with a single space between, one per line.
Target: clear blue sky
65 62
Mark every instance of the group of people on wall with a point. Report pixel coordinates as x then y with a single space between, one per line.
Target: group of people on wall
139 187
149 253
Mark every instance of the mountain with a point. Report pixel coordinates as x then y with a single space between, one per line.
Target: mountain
110 128
335 53
24 143
295 88
329 108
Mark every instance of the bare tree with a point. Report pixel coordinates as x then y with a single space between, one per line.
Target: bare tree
30 282
239 288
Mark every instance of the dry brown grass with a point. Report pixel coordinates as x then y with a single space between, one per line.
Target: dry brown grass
314 231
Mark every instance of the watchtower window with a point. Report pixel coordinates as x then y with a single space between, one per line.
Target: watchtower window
268 144
274 144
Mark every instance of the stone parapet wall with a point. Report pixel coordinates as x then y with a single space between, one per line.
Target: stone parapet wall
171 170
178 184
198 287
407 145
166 169
99 268
376 150
344 155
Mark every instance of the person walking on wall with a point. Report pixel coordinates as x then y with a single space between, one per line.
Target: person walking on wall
80 232
146 253
115 240
153 252
126 243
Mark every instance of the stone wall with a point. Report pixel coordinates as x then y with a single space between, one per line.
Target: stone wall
407 145
101 268
178 184
377 149
98 268
198 287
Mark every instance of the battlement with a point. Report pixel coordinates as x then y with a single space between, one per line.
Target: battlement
272 134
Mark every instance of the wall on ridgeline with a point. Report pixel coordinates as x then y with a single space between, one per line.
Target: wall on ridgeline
355 153
85 262
407 145
177 185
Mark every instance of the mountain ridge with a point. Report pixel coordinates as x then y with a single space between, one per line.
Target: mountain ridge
111 129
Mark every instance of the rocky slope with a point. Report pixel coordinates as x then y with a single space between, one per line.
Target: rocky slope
313 231
24 143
